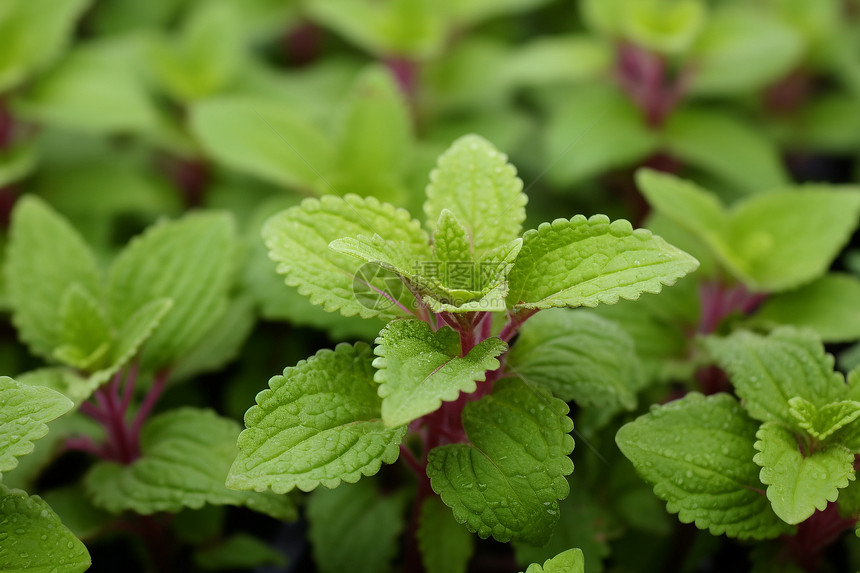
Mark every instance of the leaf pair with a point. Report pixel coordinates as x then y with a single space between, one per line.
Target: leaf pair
168 288
796 434
475 208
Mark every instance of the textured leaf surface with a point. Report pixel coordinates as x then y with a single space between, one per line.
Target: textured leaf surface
506 482
34 540
829 305
570 561
45 255
767 372
418 369
85 330
185 456
698 453
319 423
298 240
799 484
189 261
575 355
478 185
24 411
445 545
354 528
823 422
451 240
584 262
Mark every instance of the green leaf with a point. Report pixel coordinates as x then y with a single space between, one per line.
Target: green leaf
669 27
418 369
203 57
64 380
506 482
85 330
697 452
783 240
97 88
298 240
374 151
477 184
799 484
32 34
725 147
34 539
768 371
189 261
821 423
44 256
82 518
354 528
263 138
409 28
585 523
239 551
17 161
445 545
584 262
319 423
772 241
742 48
23 417
594 130
570 561
451 241
575 356
185 456
557 59
475 11
829 305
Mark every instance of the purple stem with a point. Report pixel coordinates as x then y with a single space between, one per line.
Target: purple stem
149 403
515 321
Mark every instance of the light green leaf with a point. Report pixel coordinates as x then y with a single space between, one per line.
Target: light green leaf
768 371
478 185
185 456
475 11
771 241
44 256
557 59
669 27
64 380
445 545
584 262
188 260
821 423
319 423
239 551
354 528
594 130
725 147
570 561
34 539
829 305
263 138
374 151
698 452
575 355
298 240
451 241
17 161
742 48
409 28
418 369
85 330
506 482
23 417
799 484
783 240
203 57
97 88
32 34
